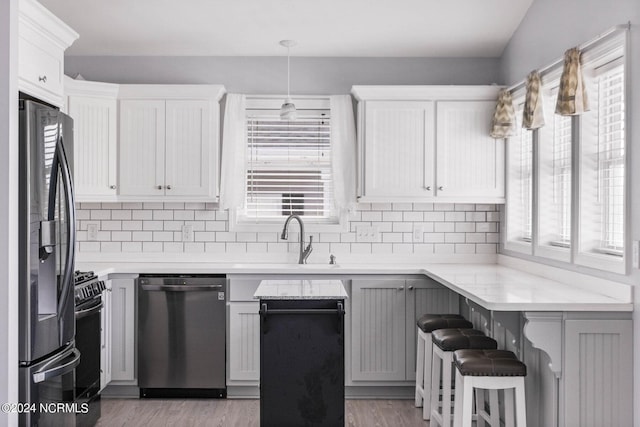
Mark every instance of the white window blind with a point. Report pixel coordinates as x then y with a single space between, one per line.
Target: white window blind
611 158
289 167
526 182
562 177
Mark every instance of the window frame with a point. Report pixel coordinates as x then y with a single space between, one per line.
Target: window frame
242 223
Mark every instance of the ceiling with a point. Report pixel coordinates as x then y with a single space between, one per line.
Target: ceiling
353 28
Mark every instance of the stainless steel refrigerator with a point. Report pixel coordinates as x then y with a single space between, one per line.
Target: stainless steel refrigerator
47 249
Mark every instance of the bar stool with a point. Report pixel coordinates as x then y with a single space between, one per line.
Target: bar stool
427 324
492 370
445 342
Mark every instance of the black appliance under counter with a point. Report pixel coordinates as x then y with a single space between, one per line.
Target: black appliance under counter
301 352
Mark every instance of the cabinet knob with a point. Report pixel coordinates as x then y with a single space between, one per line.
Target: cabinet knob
168 187
428 188
42 79
159 187
440 188
401 288
410 288
113 187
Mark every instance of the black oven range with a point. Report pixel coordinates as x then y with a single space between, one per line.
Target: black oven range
88 305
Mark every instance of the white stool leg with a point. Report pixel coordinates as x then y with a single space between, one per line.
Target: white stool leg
508 407
426 369
480 407
457 408
521 410
435 383
446 388
467 401
420 369
494 407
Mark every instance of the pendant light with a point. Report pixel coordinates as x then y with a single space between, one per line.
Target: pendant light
288 109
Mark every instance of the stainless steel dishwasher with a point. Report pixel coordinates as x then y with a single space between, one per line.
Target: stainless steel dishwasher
181 335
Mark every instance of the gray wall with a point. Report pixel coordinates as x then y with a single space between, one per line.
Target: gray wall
8 208
267 75
548 29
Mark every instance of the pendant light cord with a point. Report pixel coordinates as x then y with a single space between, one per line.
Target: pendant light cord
288 73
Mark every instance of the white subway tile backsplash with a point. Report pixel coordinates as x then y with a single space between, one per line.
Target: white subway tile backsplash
162 215
153 225
205 215
157 227
152 246
142 215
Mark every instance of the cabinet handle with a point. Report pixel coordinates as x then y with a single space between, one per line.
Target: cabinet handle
159 187
168 187
428 188
113 187
42 79
441 188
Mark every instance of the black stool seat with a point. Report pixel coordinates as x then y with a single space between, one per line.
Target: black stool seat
453 339
489 363
431 322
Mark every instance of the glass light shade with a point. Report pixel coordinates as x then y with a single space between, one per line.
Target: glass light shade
288 110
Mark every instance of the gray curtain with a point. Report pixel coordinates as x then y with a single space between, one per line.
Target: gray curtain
503 123
533 114
572 96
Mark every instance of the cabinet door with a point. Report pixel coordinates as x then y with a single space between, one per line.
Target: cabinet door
123 328
105 337
189 149
470 162
377 330
142 135
424 296
244 342
398 150
94 148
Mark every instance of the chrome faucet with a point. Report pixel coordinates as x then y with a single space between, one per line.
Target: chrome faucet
304 253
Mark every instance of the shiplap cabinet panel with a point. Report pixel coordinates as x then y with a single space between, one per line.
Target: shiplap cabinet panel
189 155
399 149
123 330
598 367
142 135
105 336
244 342
470 164
93 107
377 330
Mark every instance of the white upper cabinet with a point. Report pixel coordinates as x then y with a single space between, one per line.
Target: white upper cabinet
42 40
398 154
169 142
93 107
428 143
470 163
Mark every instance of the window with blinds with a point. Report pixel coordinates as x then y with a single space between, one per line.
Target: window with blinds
526 182
562 139
289 167
611 158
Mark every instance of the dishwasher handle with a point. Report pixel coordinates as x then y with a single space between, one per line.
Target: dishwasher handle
181 288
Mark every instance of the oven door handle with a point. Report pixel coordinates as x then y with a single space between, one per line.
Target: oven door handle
86 312
65 368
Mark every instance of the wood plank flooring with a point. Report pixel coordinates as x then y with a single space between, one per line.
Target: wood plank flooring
244 413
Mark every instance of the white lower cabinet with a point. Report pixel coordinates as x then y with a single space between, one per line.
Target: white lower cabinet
105 336
383 325
244 342
123 332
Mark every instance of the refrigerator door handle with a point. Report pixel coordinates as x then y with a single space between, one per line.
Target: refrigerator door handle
71 227
59 370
